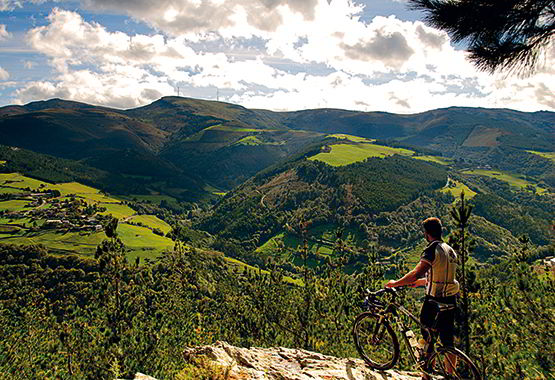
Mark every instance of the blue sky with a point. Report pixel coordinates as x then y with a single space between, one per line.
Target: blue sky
372 55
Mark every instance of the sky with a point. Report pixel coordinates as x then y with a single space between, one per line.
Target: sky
366 55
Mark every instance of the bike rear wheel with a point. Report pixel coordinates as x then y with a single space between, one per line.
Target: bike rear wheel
375 341
452 364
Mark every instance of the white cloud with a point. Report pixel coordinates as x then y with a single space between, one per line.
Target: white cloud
306 54
10 5
178 17
4 75
4 34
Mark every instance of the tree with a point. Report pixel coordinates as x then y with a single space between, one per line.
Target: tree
461 215
501 34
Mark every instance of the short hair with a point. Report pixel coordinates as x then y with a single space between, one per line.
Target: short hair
433 227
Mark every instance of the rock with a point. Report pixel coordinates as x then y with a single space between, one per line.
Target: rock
285 364
141 376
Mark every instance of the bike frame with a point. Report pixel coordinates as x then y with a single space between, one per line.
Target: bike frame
394 309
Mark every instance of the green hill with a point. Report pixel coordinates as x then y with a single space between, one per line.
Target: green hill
186 144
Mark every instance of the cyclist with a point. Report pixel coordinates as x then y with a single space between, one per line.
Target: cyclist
435 270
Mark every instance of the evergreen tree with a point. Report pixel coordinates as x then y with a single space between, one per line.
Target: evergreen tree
507 34
461 215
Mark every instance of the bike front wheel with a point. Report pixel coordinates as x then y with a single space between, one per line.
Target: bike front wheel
375 341
452 364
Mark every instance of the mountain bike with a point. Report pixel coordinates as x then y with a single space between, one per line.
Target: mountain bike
378 345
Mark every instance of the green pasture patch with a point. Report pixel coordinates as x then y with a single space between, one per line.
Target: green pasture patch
345 154
436 159
98 198
342 136
151 221
14 205
136 237
249 140
227 128
8 229
8 220
19 181
77 242
10 190
456 188
234 263
74 188
293 243
511 179
548 155
119 211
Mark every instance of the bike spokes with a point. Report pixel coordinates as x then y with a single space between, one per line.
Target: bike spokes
449 364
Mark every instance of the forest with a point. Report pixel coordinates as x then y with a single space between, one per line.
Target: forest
67 317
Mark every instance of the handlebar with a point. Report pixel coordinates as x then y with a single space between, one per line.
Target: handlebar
372 298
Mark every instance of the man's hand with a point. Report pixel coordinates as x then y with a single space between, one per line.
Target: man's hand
391 284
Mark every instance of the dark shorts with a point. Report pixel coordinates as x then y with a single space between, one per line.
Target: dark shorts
442 321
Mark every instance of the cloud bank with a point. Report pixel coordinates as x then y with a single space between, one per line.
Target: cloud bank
273 54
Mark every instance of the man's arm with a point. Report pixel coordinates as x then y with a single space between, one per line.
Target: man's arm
411 278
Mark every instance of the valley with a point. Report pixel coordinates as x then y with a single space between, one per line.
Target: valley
127 234
253 175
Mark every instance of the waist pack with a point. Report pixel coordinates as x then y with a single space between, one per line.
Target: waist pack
441 306
440 313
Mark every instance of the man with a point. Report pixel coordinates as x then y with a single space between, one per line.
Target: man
438 263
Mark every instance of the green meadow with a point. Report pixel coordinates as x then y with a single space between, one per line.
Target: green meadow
151 221
358 139
436 159
13 205
345 154
139 240
320 244
511 179
548 155
456 188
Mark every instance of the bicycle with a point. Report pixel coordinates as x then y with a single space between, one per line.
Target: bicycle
377 343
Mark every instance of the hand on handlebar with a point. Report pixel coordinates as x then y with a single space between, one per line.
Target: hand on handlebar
391 284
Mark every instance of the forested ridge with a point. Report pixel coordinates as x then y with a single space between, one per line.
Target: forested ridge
65 317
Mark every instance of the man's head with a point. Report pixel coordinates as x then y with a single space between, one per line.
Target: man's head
432 227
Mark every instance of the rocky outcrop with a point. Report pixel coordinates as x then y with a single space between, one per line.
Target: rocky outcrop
284 364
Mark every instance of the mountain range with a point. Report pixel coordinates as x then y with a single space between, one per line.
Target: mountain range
192 144
260 174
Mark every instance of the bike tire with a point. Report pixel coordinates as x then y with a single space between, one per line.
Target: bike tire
464 369
381 350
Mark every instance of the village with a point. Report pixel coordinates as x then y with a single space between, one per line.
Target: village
47 210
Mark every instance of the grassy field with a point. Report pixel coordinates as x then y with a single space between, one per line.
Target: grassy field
319 251
13 205
457 189
228 128
352 138
151 221
140 241
345 154
136 239
511 179
548 155
436 159
119 211
19 181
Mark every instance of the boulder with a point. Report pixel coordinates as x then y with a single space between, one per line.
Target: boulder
281 363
